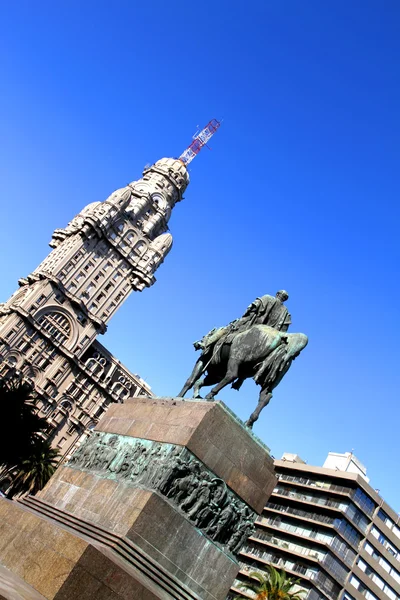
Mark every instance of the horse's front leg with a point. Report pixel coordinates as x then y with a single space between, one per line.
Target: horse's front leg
231 375
196 388
195 375
264 399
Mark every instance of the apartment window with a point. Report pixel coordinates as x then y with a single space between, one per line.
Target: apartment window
385 542
362 588
347 531
383 516
61 442
364 501
357 517
371 573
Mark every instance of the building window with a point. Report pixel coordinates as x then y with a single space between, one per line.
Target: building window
67 405
23 345
56 325
61 442
383 516
364 501
51 390
82 319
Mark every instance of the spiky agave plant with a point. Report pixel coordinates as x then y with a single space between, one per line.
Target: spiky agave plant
274 585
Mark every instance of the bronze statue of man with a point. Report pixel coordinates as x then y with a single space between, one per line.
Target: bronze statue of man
266 310
257 345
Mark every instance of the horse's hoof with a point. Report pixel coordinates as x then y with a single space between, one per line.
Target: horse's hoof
209 397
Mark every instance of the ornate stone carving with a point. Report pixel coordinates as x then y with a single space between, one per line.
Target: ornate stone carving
176 474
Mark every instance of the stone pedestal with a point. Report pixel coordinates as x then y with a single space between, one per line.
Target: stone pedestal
158 500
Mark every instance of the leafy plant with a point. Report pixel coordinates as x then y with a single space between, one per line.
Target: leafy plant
27 461
273 585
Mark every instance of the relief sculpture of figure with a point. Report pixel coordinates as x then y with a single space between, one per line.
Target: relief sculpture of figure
257 345
219 530
184 486
175 471
243 532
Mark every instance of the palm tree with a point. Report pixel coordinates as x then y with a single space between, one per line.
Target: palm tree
274 585
34 470
19 412
27 461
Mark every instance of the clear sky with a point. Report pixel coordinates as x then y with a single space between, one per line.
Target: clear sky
300 190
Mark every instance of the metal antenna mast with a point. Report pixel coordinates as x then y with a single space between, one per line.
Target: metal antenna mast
199 140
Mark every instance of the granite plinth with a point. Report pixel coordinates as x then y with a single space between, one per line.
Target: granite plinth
209 431
45 561
97 527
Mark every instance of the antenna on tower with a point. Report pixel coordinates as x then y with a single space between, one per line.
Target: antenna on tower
199 140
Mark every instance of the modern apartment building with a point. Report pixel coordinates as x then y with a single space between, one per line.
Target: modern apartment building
328 527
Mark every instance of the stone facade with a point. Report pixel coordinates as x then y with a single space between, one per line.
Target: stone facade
49 327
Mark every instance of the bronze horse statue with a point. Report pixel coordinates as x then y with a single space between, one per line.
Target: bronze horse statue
261 352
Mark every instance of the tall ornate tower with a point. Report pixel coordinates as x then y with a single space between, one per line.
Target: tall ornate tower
48 328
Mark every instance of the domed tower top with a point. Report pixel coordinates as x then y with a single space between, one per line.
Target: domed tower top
174 171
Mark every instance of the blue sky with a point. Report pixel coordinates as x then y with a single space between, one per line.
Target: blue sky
300 190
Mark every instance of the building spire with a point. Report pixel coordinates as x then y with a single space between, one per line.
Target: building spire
199 140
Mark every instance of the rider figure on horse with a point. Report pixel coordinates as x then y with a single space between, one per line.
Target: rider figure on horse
267 310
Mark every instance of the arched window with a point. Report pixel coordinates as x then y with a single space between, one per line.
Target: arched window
140 248
130 237
67 406
96 364
56 325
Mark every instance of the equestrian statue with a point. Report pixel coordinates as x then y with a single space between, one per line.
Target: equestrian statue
257 345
